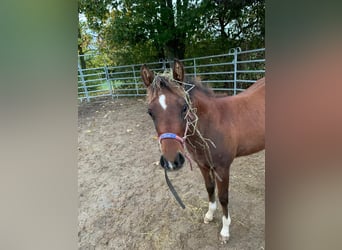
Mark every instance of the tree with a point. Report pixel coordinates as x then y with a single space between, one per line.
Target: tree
81 47
235 21
133 31
167 24
95 12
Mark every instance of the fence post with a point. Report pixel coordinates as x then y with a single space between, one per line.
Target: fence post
235 69
108 81
236 50
162 60
135 81
83 83
195 72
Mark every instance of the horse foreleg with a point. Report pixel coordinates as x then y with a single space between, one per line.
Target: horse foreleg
222 188
210 186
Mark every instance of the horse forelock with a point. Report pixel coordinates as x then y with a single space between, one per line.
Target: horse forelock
161 83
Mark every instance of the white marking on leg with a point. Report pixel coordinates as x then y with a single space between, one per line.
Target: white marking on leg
225 227
210 214
162 102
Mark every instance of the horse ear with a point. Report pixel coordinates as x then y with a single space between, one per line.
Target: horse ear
147 75
178 70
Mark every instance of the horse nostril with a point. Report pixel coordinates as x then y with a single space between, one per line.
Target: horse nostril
163 162
179 160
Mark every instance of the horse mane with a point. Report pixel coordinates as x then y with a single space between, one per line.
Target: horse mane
199 86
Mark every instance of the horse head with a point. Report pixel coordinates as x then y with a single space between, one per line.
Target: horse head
168 109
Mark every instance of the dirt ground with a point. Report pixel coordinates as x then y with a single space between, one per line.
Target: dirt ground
125 202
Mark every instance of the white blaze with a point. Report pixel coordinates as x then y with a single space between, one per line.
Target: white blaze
162 102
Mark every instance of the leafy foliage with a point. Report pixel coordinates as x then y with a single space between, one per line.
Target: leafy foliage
133 31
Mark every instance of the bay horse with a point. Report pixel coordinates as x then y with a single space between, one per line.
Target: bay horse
213 129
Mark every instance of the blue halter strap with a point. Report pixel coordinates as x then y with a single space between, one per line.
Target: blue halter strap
171 136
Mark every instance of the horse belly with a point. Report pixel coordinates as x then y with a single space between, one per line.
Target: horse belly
250 144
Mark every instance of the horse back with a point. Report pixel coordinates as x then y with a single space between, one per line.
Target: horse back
258 86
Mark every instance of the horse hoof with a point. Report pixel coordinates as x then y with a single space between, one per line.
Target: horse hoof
224 239
207 220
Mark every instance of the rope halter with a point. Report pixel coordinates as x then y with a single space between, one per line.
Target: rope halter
177 138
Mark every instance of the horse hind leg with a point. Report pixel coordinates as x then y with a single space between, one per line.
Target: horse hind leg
223 197
210 186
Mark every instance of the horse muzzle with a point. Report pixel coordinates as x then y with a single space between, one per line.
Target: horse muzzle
175 165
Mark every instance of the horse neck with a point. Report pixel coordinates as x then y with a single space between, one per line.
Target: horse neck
203 104
207 105
208 111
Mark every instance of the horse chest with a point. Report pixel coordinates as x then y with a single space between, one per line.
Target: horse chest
208 153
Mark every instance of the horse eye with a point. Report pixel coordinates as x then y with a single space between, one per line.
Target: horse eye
185 108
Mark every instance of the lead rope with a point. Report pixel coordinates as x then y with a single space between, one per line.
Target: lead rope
182 141
173 190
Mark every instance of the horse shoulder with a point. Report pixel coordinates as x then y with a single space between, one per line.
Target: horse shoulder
247 118
227 122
